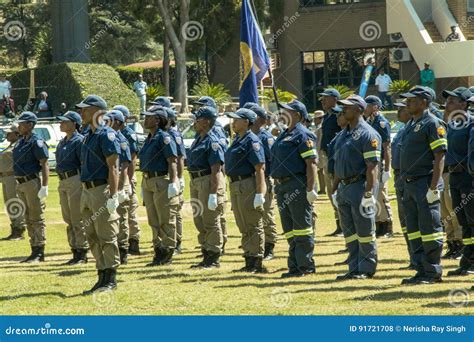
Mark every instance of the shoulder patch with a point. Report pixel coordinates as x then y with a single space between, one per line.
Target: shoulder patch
383 124
40 143
270 141
111 136
215 146
256 146
356 135
417 128
123 146
179 140
374 143
167 140
441 131
309 143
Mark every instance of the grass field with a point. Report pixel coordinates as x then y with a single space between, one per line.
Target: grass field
53 289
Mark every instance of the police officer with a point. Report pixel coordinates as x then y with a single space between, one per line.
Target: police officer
329 129
132 139
294 171
421 165
30 157
245 166
15 208
205 161
68 165
161 101
158 162
116 120
356 159
269 225
99 200
461 183
383 217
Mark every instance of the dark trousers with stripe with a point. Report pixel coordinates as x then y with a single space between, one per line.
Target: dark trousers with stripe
399 189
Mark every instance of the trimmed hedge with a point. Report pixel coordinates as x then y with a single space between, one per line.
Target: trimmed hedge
71 82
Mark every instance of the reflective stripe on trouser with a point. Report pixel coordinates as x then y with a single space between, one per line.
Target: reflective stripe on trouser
269 225
13 206
463 201
385 212
70 191
101 227
448 217
179 219
34 211
161 211
248 219
134 228
328 179
425 232
358 228
296 220
401 211
207 222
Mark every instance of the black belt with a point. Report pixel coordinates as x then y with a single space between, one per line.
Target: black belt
350 180
66 174
24 179
153 174
6 174
457 168
414 178
239 178
94 183
197 174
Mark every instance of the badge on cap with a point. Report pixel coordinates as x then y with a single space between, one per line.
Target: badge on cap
178 140
40 143
123 146
111 136
215 146
374 143
270 141
383 124
256 146
441 131
417 128
223 141
309 143
167 140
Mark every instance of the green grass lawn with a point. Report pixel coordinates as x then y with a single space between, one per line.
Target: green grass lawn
53 289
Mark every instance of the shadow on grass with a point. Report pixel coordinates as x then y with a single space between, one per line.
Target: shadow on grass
33 295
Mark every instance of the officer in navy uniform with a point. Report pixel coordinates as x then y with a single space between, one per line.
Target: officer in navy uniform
423 149
134 228
269 224
158 162
357 155
470 165
205 161
162 101
30 157
460 123
68 165
99 200
294 171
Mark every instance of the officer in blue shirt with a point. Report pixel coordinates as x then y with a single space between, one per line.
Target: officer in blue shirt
329 129
294 171
68 165
356 158
100 176
162 101
158 162
134 228
30 157
116 120
245 166
205 161
383 218
421 165
269 224
461 183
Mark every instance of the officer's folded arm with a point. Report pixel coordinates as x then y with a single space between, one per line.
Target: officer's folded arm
310 173
173 168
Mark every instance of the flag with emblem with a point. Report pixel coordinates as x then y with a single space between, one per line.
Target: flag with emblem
254 60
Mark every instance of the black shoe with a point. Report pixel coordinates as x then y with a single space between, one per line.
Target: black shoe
212 260
97 285
178 250
388 235
257 266
409 267
110 281
248 265
201 264
156 258
362 276
133 247
15 235
458 250
37 255
340 263
292 274
123 256
167 256
461 272
347 276
74 258
81 257
380 229
268 254
450 251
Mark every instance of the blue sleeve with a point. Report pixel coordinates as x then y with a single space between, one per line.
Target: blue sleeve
169 146
78 148
256 153
437 137
307 147
385 131
371 147
125 155
40 152
470 153
108 145
132 143
216 153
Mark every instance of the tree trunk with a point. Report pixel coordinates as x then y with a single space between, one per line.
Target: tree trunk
166 64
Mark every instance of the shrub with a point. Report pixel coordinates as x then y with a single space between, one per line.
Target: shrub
283 96
399 87
216 91
344 90
155 90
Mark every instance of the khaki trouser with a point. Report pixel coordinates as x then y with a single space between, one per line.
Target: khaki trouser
448 217
321 180
70 191
328 179
179 219
222 219
269 225
161 211
101 227
248 219
134 228
34 211
123 211
206 221
385 212
14 207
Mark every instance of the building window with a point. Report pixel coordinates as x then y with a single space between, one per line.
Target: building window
341 67
309 3
470 6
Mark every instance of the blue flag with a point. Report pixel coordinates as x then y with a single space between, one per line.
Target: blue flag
364 84
254 60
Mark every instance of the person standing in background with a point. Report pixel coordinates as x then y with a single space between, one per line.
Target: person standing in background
140 87
383 82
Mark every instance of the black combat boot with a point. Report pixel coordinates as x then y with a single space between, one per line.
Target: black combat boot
156 259
248 265
178 250
379 229
388 230
37 255
15 235
74 258
450 251
167 256
123 256
212 260
257 266
268 254
133 247
81 257
110 281
98 284
458 249
205 256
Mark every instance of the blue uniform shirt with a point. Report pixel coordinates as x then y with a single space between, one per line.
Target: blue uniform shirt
244 153
470 151
421 139
329 129
267 142
68 153
331 152
218 131
131 138
125 155
178 139
458 140
204 153
155 152
382 127
96 147
396 149
353 148
290 150
27 154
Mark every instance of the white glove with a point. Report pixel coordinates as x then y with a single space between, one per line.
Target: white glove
311 196
43 192
386 176
258 201
368 203
112 204
172 190
128 189
122 196
334 198
181 184
212 202
433 196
